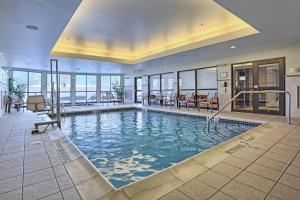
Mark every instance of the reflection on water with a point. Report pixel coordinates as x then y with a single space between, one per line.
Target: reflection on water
129 145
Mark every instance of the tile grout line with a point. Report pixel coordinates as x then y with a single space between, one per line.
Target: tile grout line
251 164
277 182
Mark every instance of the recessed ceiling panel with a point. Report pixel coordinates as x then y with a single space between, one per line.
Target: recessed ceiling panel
132 31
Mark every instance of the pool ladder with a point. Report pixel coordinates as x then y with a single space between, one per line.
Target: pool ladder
212 118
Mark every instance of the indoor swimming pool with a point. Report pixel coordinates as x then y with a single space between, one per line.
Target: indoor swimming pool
128 145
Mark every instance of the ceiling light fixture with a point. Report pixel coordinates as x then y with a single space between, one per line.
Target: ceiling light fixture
32 28
232 47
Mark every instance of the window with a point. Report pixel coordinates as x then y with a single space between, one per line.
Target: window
107 84
80 88
35 84
154 84
30 80
65 87
207 81
138 92
86 88
187 83
167 84
21 77
91 88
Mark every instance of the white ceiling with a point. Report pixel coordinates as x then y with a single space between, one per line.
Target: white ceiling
277 21
130 31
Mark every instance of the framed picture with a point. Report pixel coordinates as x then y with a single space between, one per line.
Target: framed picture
224 75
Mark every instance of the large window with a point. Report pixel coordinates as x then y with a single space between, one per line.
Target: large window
201 81
86 88
154 84
138 89
207 81
30 80
65 87
187 83
167 84
107 84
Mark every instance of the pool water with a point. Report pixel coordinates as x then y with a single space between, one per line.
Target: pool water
128 145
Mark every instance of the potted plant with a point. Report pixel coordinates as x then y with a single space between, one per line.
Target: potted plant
119 91
18 91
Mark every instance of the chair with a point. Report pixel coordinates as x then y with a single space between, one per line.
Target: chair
201 98
170 101
192 101
37 103
152 99
110 97
182 100
212 103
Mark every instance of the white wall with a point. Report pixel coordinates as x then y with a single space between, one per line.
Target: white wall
191 61
3 88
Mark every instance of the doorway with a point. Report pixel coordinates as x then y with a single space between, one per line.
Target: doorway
258 76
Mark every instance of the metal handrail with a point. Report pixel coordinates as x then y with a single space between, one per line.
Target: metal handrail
253 92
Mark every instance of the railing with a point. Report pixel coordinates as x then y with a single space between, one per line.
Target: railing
252 92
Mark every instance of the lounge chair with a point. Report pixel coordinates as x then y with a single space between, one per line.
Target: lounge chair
37 103
110 98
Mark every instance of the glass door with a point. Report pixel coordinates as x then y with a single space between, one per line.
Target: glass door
243 81
270 76
138 90
259 76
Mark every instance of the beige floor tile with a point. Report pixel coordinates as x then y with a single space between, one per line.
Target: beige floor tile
241 191
10 184
271 198
213 179
255 181
11 156
11 163
293 170
264 171
56 196
283 152
286 147
11 172
296 162
221 196
290 180
285 193
60 171
246 155
237 162
197 190
39 190
278 157
70 194
38 176
226 170
175 195
12 195
273 164
64 182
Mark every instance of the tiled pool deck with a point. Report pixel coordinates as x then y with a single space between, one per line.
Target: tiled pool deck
263 163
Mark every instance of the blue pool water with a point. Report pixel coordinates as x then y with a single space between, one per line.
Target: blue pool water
131 144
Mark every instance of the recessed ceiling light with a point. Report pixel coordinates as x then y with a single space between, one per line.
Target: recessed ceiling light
32 28
232 47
